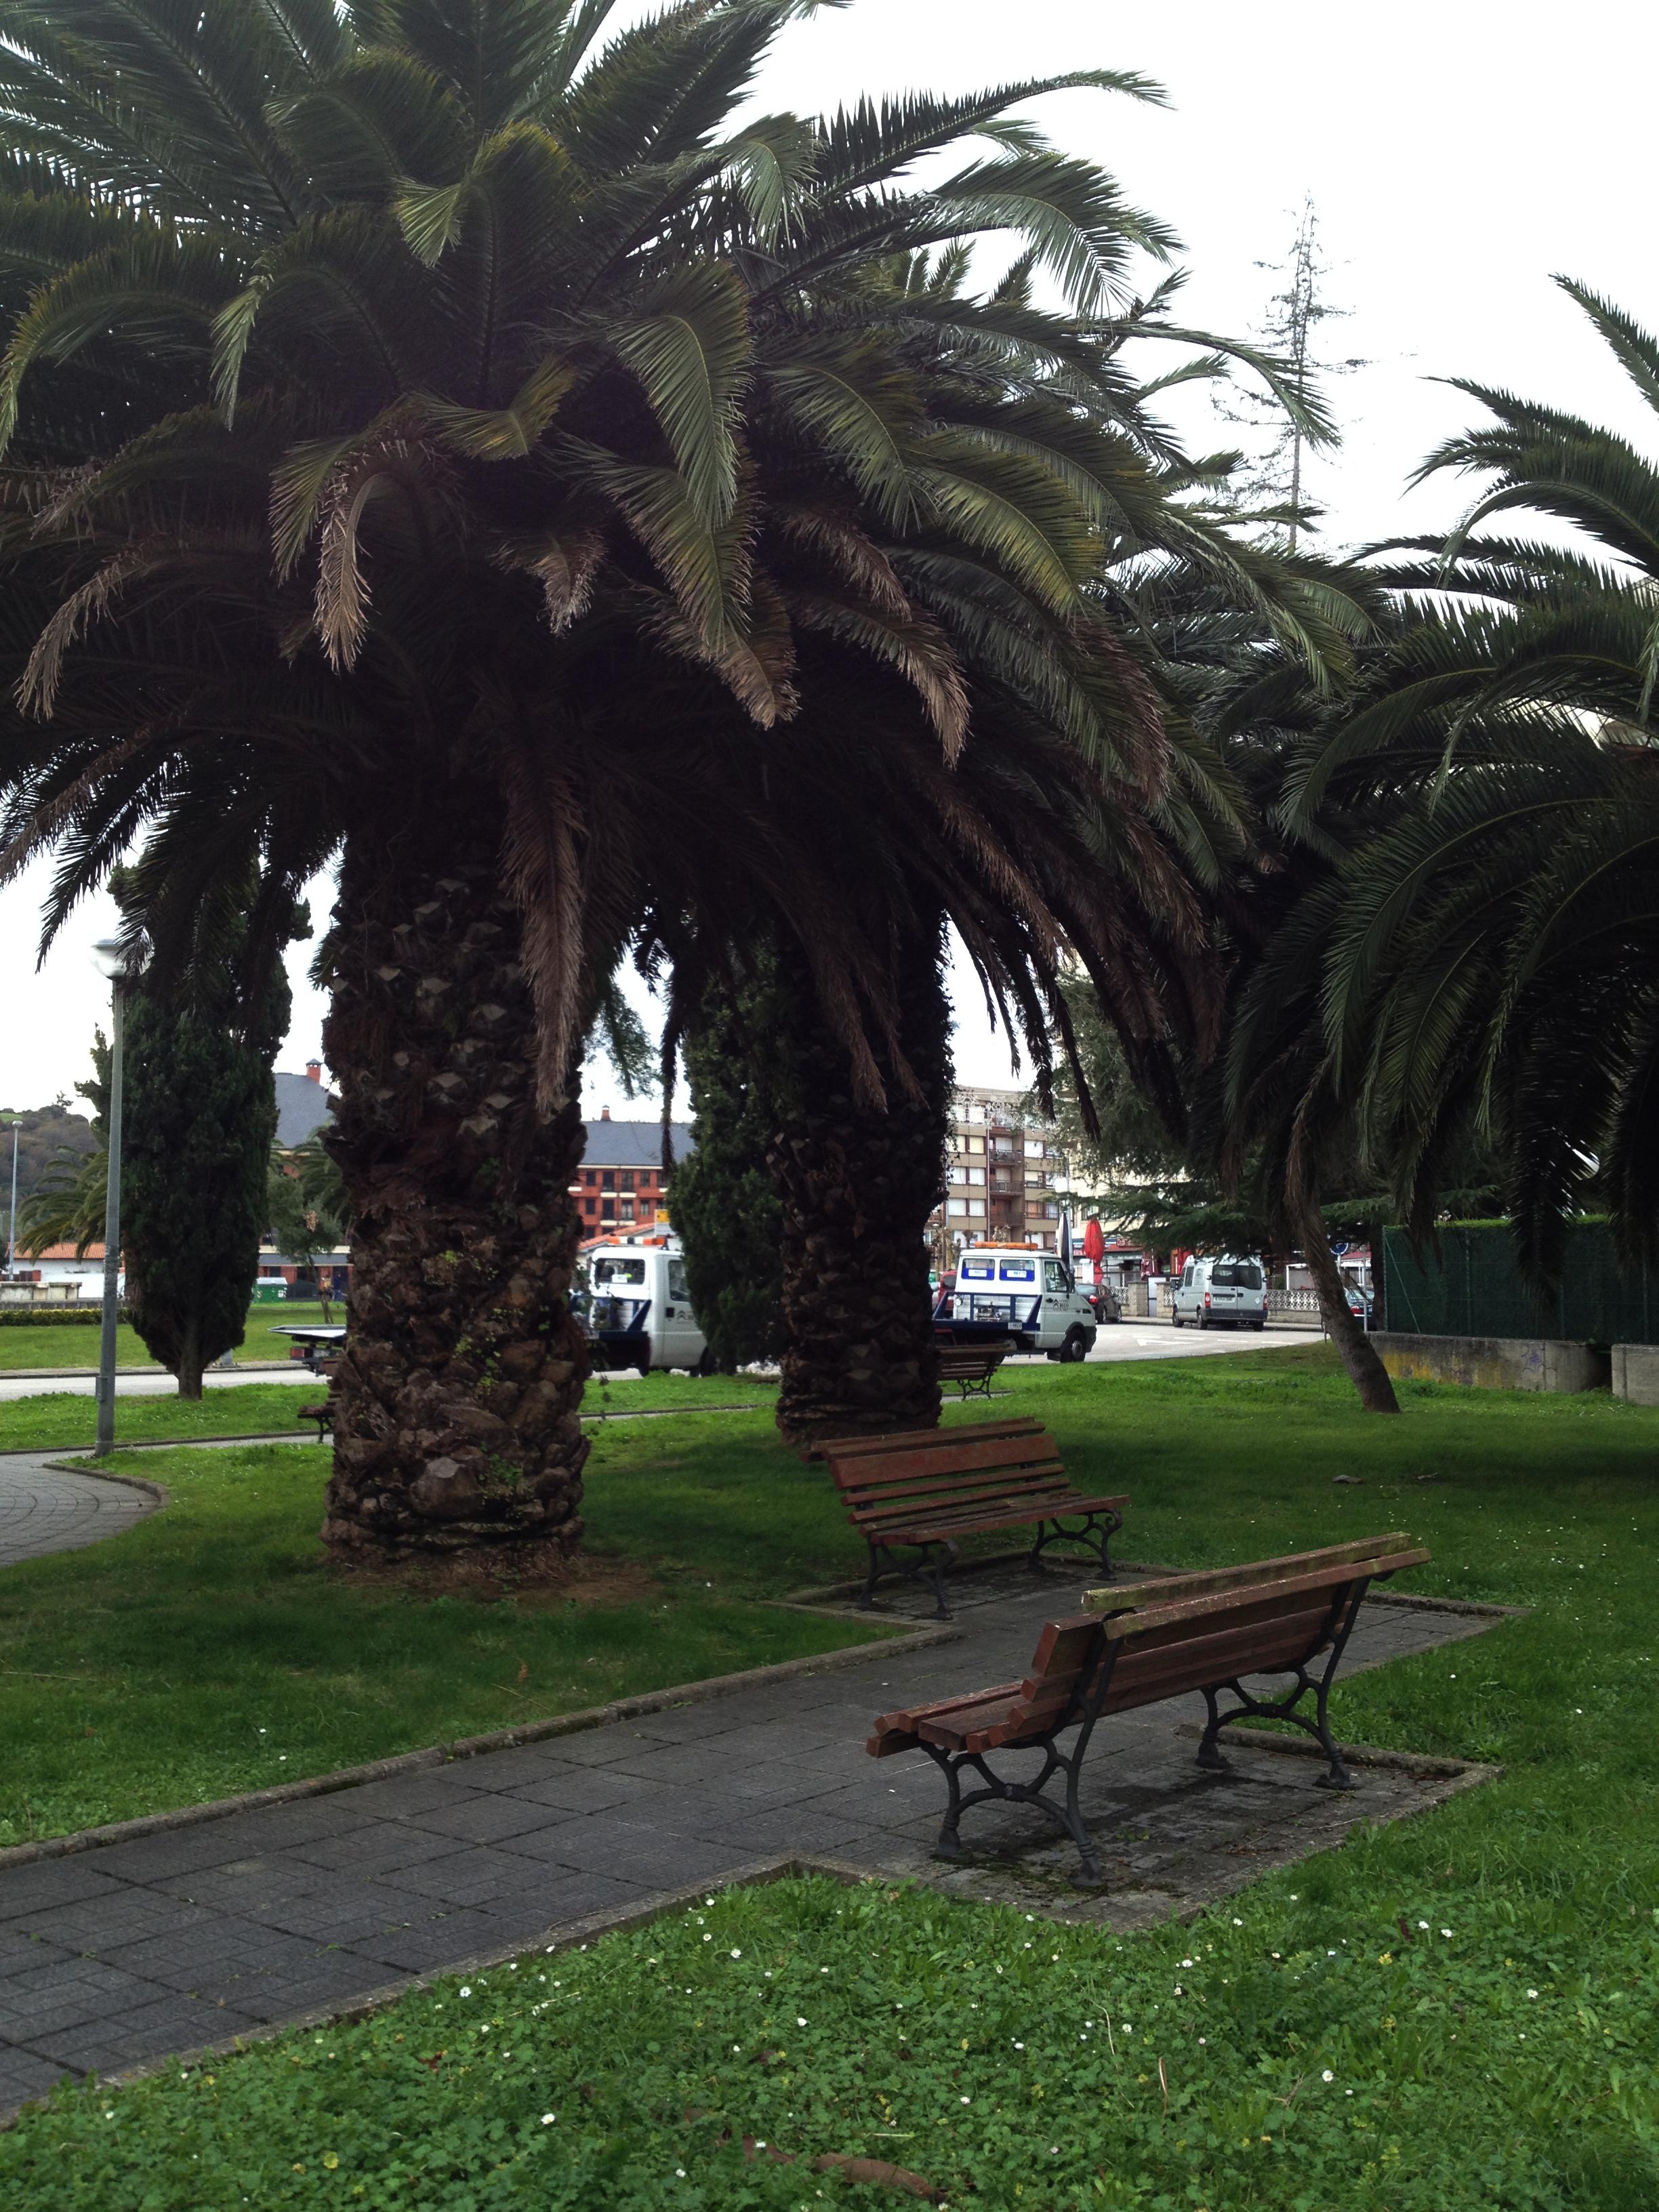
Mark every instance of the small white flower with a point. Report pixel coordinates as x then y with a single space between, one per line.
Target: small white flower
1532 1993
1422 1924
737 1955
708 1939
1328 2075
800 2022
1237 1922
548 2118
109 2116
1445 1931
679 2173
737 2046
1020 2046
966 2100
1203 2038
466 1993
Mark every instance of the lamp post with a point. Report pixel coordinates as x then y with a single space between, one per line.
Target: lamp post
120 964
11 1222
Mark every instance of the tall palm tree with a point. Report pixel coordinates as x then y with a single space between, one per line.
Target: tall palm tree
1485 959
434 434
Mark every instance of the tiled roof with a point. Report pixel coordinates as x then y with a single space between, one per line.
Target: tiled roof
632 1144
301 1107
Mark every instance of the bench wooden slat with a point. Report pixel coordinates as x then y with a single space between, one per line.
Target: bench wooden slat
993 1483
1019 1516
892 1469
1010 1425
951 1479
1260 1596
1197 1581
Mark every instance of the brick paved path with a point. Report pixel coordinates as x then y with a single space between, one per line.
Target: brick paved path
44 1511
113 1956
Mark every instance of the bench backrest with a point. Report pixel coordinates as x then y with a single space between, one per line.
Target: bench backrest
911 1474
1266 1621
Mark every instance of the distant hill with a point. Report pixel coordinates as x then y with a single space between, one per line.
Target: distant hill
44 1130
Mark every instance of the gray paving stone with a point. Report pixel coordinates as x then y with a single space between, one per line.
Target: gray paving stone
46 1509
167 2023
482 1820
245 1885
25 2075
584 1789
175 1851
471 1877
343 1916
598 1747
380 1847
654 1857
427 1945
400 1795
100 1923
47 1882
19 1952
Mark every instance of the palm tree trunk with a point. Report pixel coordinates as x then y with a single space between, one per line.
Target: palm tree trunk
1358 1354
857 1186
455 1405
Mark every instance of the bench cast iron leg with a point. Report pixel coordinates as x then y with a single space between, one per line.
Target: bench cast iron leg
924 1568
1095 1535
1068 1816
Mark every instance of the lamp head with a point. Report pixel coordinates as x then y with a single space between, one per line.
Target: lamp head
119 961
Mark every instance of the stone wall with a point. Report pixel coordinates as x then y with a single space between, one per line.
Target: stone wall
1498 1362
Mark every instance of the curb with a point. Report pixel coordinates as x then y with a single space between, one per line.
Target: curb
1425 1765
474 1747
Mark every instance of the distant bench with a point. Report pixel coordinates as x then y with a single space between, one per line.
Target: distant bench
323 1411
1143 1641
971 1366
921 1490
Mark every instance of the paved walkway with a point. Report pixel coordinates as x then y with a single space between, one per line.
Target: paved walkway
115 1956
44 1509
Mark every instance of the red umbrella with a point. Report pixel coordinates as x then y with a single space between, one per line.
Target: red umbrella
1094 1242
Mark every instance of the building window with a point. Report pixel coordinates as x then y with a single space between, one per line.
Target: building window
625 1180
590 1206
1034 1148
975 1175
627 1209
589 1178
607 1180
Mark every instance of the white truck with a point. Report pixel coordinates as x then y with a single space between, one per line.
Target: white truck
637 1309
1229 1291
1016 1292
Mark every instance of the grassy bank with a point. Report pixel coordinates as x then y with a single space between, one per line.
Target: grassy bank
75 1344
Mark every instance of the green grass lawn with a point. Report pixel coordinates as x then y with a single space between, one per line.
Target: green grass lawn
56 1420
72 1344
1458 2013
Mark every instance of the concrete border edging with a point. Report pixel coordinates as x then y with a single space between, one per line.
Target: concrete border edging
475 1747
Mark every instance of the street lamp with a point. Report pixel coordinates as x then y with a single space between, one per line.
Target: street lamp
11 1224
119 963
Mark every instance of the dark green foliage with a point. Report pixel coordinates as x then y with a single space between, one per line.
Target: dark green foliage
45 1134
724 1201
200 1112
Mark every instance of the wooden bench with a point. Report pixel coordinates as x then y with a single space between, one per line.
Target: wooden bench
921 1490
1143 1641
323 1411
971 1366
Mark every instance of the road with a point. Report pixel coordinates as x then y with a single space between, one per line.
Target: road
1127 1339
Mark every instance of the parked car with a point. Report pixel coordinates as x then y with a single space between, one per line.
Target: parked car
1005 1291
636 1310
1107 1306
1225 1291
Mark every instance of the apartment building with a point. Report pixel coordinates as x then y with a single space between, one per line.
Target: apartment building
620 1189
1001 1167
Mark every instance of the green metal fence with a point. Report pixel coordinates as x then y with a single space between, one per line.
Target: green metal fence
1473 1287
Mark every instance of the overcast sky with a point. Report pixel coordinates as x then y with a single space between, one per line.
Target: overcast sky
1457 154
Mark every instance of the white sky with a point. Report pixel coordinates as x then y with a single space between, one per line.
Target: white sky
1458 154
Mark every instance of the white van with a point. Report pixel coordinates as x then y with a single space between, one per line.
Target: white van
637 1310
1224 1289
1005 1290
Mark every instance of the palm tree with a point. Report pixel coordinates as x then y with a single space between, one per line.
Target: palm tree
1482 963
440 436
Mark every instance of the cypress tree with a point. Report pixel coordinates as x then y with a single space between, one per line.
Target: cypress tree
200 1112
723 1200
